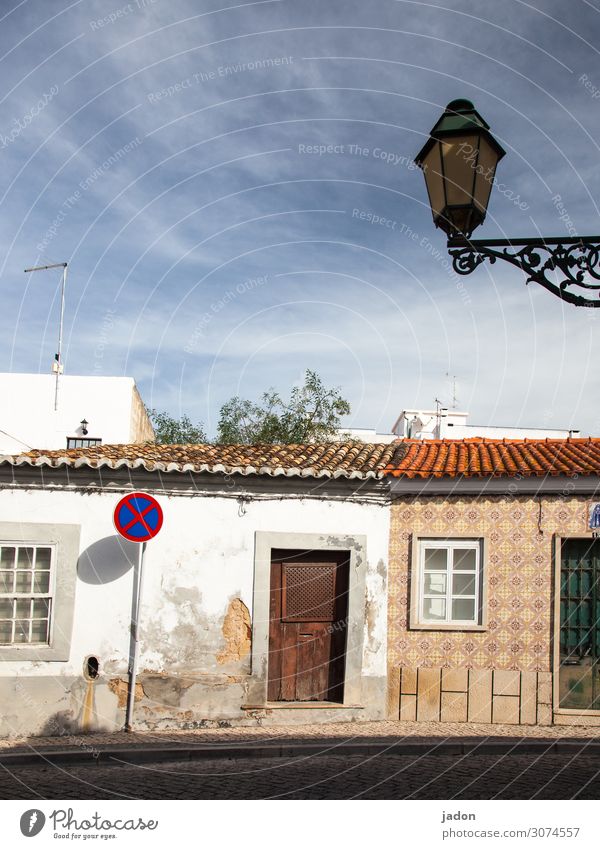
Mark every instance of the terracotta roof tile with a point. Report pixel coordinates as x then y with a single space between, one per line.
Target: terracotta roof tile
334 459
410 458
479 457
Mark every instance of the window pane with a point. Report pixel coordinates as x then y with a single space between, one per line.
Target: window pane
463 585
463 609
39 631
435 583
464 558
6 582
23 582
42 558
21 630
25 558
40 608
5 632
435 558
434 608
23 608
6 608
7 558
41 582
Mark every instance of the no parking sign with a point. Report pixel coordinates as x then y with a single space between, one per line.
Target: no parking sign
138 517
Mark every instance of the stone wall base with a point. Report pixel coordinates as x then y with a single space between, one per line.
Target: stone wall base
434 694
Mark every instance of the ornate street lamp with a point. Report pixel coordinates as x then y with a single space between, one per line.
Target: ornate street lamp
459 164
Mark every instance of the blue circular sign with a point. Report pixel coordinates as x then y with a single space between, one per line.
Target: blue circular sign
138 517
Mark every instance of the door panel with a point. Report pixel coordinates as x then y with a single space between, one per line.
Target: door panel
579 671
307 629
288 663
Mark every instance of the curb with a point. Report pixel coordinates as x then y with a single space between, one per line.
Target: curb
124 755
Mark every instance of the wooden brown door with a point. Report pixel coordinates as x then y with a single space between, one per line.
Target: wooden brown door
307 629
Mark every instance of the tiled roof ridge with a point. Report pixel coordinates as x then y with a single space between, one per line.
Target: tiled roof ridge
412 458
497 440
495 457
351 459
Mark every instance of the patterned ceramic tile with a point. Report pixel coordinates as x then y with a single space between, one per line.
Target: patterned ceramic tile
519 531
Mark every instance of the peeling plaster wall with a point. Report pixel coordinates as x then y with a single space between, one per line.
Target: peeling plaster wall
196 617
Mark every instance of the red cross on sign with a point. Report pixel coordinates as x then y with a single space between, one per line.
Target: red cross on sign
138 517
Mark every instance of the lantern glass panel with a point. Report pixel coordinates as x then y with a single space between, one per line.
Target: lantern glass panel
460 162
486 170
434 179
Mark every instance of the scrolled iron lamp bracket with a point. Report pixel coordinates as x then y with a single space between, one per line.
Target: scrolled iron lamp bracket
569 268
459 160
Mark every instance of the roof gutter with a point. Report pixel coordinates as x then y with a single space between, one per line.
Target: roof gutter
508 486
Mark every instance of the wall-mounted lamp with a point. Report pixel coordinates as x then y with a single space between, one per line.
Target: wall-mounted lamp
84 426
459 163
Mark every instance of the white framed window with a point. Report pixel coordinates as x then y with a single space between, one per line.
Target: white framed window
449 583
26 593
82 442
38 578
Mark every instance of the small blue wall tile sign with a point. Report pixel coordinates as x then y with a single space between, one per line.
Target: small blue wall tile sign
594 518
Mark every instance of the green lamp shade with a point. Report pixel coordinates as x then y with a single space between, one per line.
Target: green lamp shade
459 164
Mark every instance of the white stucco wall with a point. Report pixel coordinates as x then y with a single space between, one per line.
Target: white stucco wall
28 418
203 557
452 424
492 432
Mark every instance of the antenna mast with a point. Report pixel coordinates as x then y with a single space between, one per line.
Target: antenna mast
454 398
57 366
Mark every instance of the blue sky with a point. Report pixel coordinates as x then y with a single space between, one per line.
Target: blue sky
166 150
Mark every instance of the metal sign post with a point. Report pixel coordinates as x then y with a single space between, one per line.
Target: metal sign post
135 635
138 518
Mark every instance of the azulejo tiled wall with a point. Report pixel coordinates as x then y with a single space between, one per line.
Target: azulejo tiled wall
519 531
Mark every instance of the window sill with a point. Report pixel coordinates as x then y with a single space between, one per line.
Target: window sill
444 626
9 653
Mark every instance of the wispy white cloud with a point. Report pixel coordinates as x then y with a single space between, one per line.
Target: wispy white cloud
219 189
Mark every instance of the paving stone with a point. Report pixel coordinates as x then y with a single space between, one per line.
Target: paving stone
344 730
408 681
454 707
480 695
544 717
428 694
455 680
551 775
505 709
408 707
393 704
528 698
507 682
545 688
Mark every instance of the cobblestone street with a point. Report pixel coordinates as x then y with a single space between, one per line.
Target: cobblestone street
384 730
472 776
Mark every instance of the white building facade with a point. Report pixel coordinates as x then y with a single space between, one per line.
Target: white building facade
444 423
111 407
205 634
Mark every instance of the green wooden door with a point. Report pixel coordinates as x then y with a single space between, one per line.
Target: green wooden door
579 673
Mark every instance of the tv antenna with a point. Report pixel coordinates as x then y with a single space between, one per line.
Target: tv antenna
454 398
57 365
